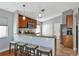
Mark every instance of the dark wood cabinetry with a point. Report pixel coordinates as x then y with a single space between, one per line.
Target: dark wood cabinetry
68 41
66 38
66 32
24 23
69 21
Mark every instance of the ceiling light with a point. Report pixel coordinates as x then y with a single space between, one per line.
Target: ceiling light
24 12
24 17
40 15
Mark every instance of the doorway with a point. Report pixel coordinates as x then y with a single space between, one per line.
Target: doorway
61 50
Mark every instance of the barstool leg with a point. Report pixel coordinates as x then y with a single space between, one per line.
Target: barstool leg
30 51
37 53
40 53
34 52
21 50
51 52
15 50
9 48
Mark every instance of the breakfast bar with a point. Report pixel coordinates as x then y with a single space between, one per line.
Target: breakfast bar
44 41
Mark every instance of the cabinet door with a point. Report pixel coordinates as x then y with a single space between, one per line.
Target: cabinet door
69 21
68 41
22 23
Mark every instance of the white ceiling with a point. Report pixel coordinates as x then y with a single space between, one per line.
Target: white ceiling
52 9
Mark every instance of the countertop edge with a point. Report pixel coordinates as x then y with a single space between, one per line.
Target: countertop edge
37 36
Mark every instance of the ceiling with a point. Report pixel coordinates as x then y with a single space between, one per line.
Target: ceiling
52 9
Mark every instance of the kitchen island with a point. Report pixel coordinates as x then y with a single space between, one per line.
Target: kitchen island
46 41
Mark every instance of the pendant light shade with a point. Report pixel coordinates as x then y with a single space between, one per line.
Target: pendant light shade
24 17
40 14
24 12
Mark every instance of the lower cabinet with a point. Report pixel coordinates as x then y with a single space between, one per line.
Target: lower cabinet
68 41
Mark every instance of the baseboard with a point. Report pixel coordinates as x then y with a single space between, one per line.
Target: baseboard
4 49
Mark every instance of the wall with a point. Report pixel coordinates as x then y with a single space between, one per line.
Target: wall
15 23
75 23
54 20
78 27
6 18
74 31
51 26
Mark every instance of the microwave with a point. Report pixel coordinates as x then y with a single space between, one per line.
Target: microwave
30 26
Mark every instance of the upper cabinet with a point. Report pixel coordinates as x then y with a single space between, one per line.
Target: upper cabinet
69 21
28 22
66 15
22 23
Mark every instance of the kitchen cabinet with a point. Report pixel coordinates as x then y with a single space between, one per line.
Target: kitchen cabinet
22 23
69 21
25 23
33 22
68 41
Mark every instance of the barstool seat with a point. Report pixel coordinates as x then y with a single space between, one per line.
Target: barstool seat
20 47
30 48
42 49
12 43
21 43
45 49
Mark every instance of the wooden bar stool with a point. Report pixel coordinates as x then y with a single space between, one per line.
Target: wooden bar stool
20 48
12 43
30 48
44 50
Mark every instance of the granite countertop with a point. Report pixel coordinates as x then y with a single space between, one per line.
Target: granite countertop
34 35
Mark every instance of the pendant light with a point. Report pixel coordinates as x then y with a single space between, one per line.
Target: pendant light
24 12
40 15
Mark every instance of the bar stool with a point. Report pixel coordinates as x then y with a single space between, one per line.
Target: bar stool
30 48
12 43
44 50
20 48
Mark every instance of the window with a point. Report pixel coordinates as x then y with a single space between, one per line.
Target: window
3 31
